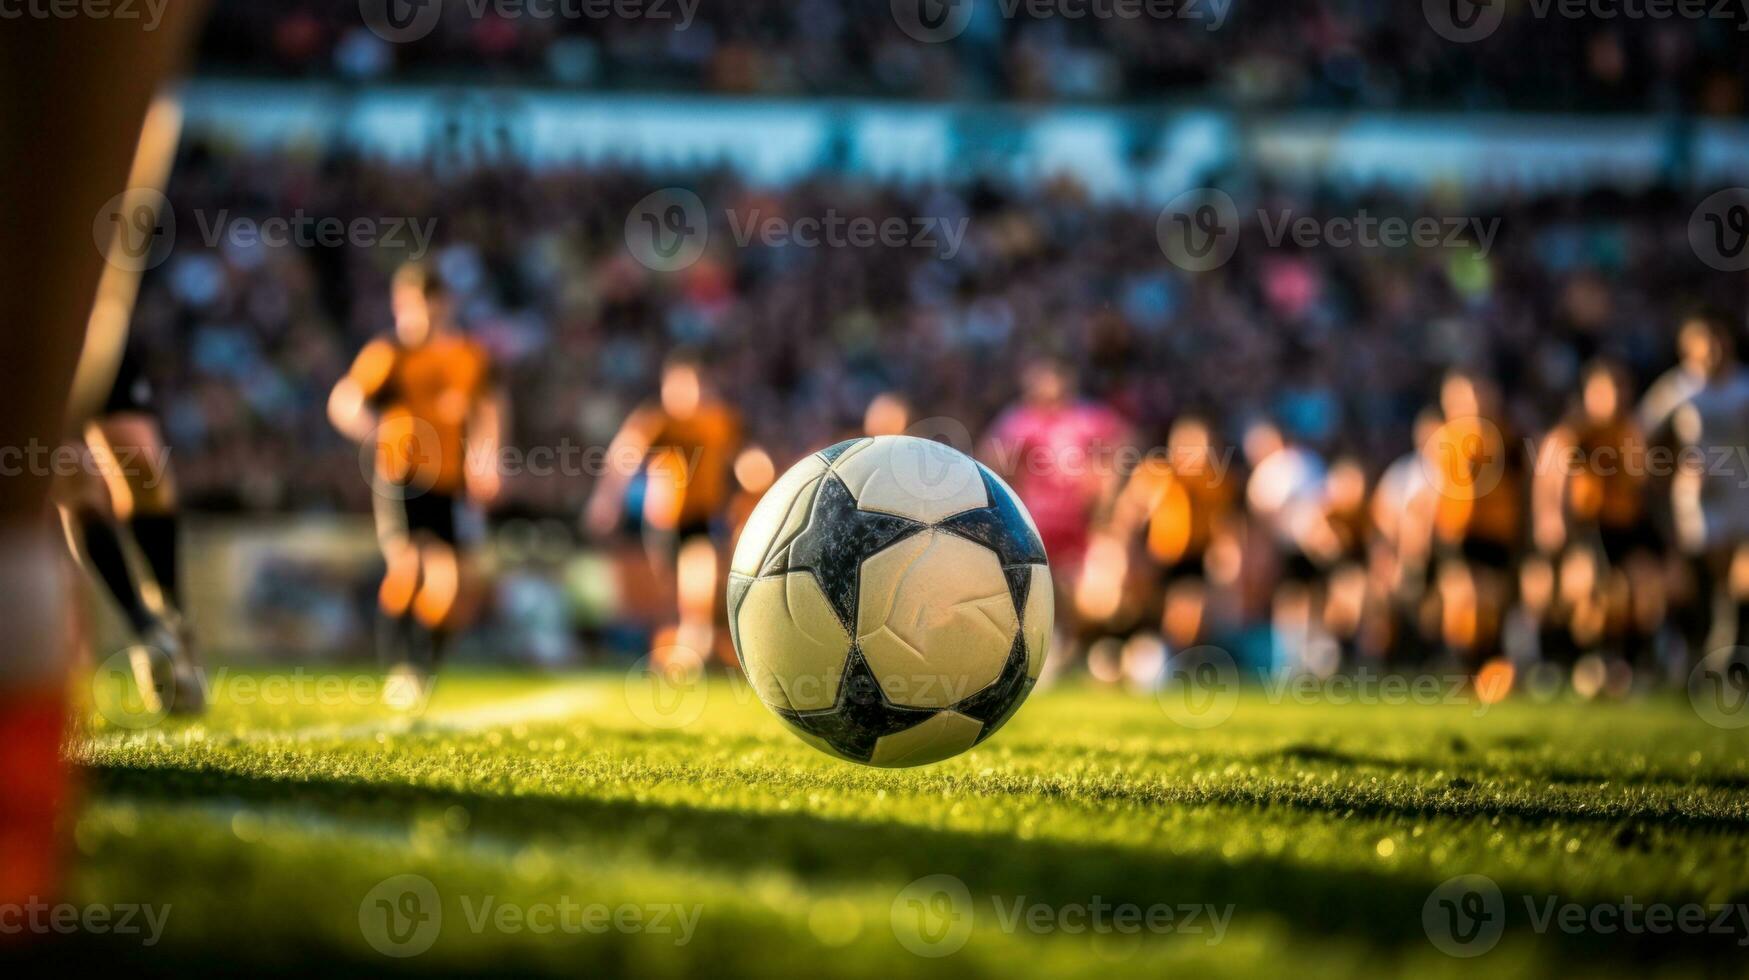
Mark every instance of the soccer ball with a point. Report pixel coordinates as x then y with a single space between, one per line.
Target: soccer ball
890 601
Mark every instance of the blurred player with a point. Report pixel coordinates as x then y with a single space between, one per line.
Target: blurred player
688 440
1184 502
1705 405
1047 447
1402 510
1588 518
125 491
1285 497
53 286
1478 474
1346 602
426 402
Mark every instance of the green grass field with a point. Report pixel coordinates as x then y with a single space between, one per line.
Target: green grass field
1314 834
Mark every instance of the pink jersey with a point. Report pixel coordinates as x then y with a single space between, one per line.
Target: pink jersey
1060 460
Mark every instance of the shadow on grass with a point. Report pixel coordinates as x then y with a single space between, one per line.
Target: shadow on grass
1383 910
1469 769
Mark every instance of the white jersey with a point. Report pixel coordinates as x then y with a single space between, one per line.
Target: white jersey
1711 494
1287 492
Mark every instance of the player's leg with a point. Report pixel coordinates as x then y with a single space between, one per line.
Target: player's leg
143 466
91 519
437 601
400 581
696 570
73 93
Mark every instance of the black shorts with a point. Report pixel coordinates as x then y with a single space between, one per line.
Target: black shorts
666 543
1192 565
1483 553
1297 566
407 513
1620 542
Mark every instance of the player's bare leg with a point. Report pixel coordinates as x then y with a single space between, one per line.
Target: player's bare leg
695 573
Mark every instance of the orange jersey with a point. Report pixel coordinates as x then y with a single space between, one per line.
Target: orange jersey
1608 485
1480 483
1183 507
425 397
690 462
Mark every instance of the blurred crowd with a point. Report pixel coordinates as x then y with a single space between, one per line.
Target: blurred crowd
1301 53
1349 357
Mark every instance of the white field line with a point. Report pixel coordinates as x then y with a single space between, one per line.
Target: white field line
566 700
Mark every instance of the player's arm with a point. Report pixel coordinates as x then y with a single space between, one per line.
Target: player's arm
631 443
1548 490
351 405
485 440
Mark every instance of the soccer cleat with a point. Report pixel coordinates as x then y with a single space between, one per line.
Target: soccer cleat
167 675
406 688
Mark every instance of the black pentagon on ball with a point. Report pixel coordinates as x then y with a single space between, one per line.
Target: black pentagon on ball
863 715
835 542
